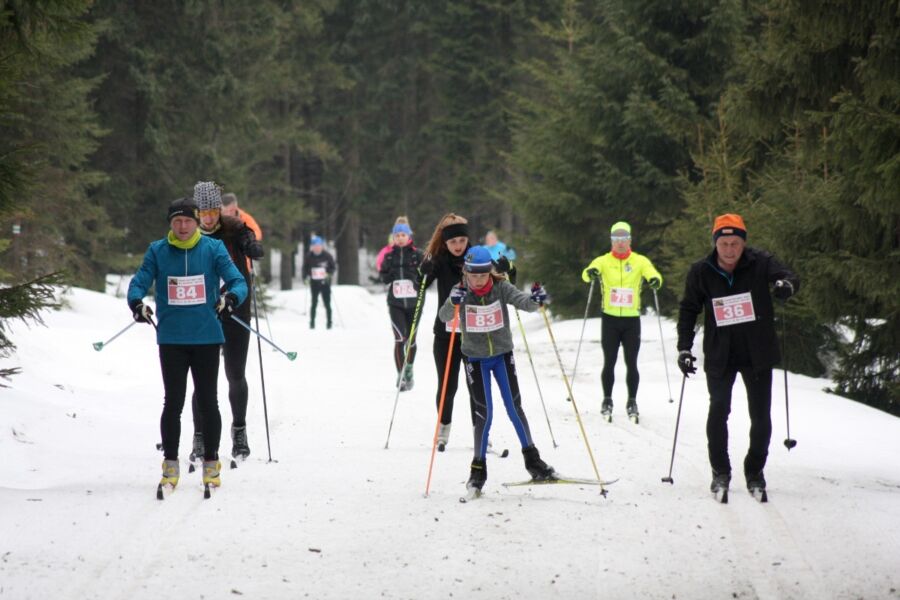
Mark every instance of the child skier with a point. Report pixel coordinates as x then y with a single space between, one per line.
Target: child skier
487 345
400 271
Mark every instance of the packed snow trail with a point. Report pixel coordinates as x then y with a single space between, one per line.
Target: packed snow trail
337 516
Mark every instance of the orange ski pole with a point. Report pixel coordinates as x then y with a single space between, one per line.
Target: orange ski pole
455 324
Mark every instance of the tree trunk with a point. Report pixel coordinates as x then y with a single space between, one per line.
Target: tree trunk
348 249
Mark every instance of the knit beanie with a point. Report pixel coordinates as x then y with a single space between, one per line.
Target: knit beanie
207 195
183 207
478 260
401 228
729 224
315 241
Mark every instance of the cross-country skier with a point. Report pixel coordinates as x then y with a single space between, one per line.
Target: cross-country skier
731 288
186 268
400 271
488 348
242 246
621 272
318 268
444 263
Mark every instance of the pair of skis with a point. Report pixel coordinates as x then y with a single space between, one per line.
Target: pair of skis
473 493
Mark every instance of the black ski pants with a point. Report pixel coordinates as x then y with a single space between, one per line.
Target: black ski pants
441 350
503 367
202 360
324 289
759 400
616 331
401 324
234 355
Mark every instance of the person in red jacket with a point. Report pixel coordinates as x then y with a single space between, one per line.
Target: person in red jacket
731 287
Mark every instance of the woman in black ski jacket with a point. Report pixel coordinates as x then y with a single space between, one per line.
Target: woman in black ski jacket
400 271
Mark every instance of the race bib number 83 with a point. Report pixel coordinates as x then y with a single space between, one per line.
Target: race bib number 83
484 319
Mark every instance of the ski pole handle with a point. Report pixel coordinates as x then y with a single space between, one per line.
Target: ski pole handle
290 355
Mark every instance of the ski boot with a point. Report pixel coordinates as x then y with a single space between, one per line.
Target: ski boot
239 448
632 410
443 436
719 486
477 475
170 473
197 451
312 324
408 377
756 485
537 468
212 476
328 324
606 410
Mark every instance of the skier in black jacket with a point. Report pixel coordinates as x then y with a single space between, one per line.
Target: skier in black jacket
731 288
243 247
400 270
318 267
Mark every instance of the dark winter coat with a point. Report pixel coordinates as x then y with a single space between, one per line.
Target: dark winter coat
401 263
242 246
448 273
750 344
322 260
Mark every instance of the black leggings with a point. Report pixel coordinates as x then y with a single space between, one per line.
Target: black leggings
234 355
759 403
627 332
324 289
441 346
401 323
203 362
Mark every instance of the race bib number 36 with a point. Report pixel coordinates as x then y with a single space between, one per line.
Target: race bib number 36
731 310
484 319
404 288
187 290
621 297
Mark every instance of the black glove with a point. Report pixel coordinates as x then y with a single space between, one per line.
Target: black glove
502 265
458 294
593 273
686 362
538 293
426 267
654 283
225 305
783 290
141 312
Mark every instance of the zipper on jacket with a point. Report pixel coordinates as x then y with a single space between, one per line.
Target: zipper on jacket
490 341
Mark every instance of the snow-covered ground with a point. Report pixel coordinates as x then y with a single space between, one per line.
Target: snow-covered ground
335 515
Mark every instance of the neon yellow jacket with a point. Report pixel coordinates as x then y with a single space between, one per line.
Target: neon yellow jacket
620 282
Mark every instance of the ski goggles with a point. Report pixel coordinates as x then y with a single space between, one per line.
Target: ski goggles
209 212
617 238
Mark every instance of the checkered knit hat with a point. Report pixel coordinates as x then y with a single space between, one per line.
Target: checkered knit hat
207 195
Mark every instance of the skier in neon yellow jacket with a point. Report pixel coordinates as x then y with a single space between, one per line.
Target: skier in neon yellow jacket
621 272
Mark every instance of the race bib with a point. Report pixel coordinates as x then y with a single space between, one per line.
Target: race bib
484 319
404 288
187 290
621 297
318 273
731 310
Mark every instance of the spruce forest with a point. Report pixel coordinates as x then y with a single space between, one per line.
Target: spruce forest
544 120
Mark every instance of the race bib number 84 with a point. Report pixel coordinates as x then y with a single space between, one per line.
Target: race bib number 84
186 291
731 310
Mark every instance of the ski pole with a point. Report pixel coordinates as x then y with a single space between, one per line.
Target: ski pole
536 382
409 341
788 441
437 426
262 377
337 309
562 369
663 344
675 441
290 355
98 346
587 307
